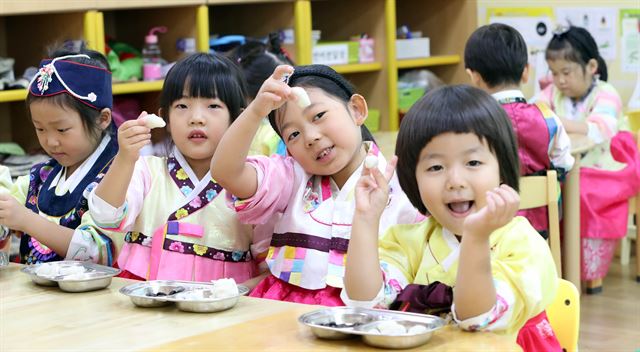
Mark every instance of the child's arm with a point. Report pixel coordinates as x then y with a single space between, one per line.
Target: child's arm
17 217
475 293
228 165
132 136
363 277
560 151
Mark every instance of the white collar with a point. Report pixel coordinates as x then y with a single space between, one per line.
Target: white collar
506 94
64 184
454 245
198 184
186 167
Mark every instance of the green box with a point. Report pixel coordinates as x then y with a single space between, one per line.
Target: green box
373 120
408 96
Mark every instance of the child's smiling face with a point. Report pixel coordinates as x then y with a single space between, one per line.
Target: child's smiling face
454 173
324 137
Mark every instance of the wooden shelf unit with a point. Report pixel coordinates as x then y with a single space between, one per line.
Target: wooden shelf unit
447 23
429 61
253 19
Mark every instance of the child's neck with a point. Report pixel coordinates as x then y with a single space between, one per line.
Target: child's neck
500 88
341 177
200 167
585 94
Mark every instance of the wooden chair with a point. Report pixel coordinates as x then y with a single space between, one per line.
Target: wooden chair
537 191
564 315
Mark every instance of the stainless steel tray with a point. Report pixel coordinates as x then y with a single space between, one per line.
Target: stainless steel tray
346 322
72 276
162 292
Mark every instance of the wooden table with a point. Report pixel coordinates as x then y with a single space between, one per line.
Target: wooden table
44 318
571 223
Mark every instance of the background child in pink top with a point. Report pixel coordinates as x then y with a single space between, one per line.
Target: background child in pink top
609 175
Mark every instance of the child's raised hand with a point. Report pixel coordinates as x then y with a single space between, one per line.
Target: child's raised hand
372 189
273 93
502 204
13 214
132 136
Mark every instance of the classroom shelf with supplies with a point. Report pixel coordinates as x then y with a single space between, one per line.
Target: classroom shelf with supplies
367 26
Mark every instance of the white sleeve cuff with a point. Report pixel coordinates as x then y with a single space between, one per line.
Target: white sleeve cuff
83 247
104 213
362 304
561 149
594 133
497 318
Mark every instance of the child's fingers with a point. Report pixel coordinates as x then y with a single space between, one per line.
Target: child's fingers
139 144
513 195
379 178
491 203
391 168
281 71
274 98
369 183
139 138
278 88
134 131
142 114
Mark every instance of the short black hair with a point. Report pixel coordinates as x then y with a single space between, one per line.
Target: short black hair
455 109
208 76
498 53
329 81
577 45
88 115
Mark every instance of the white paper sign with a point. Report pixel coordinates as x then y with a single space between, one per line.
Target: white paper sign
601 22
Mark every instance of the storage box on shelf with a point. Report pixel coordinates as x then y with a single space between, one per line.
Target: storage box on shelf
340 21
447 24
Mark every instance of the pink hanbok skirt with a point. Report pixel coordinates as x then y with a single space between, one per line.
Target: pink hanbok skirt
276 289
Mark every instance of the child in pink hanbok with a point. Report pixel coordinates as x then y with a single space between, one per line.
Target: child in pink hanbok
311 190
590 106
177 223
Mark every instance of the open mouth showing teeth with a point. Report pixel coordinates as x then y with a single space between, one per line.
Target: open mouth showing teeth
324 153
197 135
460 207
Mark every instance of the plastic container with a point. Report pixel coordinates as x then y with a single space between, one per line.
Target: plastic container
152 55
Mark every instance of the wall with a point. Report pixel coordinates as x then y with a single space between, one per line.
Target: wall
623 81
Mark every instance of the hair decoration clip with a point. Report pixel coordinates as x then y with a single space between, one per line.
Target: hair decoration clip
561 30
45 77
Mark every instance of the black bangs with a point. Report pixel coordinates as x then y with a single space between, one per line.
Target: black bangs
206 76
455 109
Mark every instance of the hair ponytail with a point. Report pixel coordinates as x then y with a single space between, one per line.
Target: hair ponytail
576 44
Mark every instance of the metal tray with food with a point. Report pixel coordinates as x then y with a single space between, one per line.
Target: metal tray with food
71 276
188 296
380 328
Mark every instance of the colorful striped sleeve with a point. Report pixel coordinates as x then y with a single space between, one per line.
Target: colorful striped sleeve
605 110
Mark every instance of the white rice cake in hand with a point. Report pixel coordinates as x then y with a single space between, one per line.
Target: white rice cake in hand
303 98
154 121
371 161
